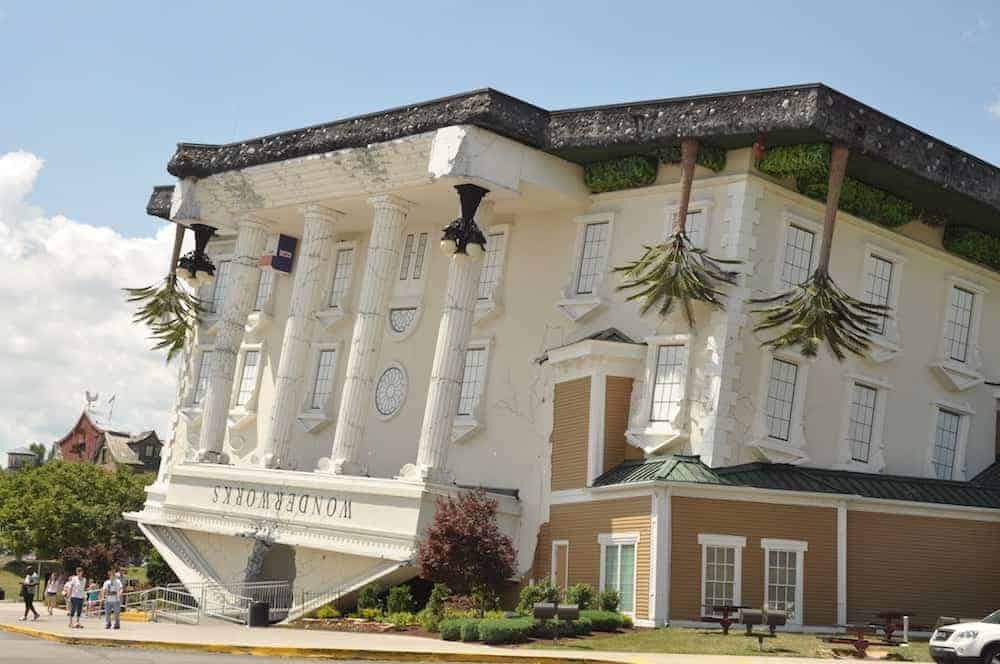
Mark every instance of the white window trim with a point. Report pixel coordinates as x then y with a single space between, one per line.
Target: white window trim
259 320
704 205
555 545
492 306
313 419
614 539
643 432
210 319
958 471
404 303
466 426
790 218
886 346
195 374
329 316
794 450
242 416
876 454
409 293
736 542
574 306
962 375
799 548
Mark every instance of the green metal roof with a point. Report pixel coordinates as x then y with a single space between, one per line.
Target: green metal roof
990 476
786 477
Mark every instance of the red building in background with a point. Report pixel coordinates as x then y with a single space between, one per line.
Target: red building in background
90 443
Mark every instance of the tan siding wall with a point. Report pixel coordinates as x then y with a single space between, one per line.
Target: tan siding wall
581 523
571 417
817 526
617 401
929 567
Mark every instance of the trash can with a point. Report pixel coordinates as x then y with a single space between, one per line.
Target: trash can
260 614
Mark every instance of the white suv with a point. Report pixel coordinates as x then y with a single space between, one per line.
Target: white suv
968 642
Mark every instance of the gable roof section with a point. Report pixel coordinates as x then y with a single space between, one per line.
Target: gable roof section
786 477
886 153
117 444
990 476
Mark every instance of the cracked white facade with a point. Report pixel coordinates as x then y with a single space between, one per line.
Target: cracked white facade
308 460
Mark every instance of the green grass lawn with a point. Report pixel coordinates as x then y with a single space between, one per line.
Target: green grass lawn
712 642
12 573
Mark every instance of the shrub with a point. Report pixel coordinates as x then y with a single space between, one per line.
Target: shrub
554 628
400 619
369 597
865 201
709 156
470 630
505 630
581 594
373 615
533 594
451 630
582 626
809 160
603 621
973 244
622 173
400 600
326 612
434 612
627 621
608 600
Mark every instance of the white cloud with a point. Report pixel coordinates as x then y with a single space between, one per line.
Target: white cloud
993 108
65 326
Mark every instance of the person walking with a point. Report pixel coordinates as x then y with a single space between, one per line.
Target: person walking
52 586
28 589
74 591
111 597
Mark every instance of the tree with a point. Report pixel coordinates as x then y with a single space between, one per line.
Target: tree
465 548
39 451
675 270
62 504
158 572
95 559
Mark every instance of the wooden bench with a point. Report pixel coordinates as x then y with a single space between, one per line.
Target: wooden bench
860 641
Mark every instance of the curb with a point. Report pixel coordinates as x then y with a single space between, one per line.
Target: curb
303 653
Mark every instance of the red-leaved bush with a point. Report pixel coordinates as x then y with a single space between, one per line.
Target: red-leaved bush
465 548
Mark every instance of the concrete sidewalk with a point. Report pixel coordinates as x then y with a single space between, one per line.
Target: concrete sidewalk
281 642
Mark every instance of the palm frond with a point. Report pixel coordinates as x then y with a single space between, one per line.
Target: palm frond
818 311
676 271
168 310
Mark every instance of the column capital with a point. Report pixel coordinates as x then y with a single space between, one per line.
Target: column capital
390 201
321 212
252 220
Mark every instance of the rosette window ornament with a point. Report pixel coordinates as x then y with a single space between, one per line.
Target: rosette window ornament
463 237
196 268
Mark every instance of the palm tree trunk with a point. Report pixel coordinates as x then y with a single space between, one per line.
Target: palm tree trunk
176 254
838 167
689 153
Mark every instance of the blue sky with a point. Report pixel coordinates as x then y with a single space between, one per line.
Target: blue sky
102 90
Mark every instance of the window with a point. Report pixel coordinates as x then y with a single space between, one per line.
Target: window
798 258
204 372
323 381
618 570
492 270
342 267
783 571
780 398
721 570
696 228
560 564
248 377
861 421
668 385
264 288
221 285
592 257
946 437
472 380
412 264
959 325
878 288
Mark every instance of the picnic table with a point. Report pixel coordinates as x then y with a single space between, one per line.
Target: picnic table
725 620
860 641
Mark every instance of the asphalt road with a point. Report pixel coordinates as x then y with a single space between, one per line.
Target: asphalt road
18 649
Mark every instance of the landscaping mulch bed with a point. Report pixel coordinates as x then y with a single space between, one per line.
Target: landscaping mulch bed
358 625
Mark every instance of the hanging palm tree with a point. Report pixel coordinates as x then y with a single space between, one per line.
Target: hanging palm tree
168 310
818 310
675 270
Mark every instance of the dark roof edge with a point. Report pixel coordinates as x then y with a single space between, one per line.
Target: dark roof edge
160 200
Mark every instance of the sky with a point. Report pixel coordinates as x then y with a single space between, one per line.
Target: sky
93 97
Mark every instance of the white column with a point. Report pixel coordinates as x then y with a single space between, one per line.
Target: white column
448 369
308 284
381 265
240 293
842 563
